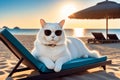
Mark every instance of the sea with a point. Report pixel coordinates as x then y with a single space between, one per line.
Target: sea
76 32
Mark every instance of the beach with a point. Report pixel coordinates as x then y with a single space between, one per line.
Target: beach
111 50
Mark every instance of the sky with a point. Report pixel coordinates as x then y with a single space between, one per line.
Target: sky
27 13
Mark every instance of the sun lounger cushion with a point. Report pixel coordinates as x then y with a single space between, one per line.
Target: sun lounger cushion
40 66
79 62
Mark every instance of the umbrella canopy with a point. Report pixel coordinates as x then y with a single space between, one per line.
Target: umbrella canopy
106 9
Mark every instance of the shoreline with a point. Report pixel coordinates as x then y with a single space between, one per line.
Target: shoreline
77 32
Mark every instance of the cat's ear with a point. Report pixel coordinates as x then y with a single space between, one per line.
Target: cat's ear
61 23
42 22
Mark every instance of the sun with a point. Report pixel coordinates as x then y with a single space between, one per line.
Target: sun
78 32
67 10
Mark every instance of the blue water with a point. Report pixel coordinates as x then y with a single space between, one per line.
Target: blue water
24 31
69 32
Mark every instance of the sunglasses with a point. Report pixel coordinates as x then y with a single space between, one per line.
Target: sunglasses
49 32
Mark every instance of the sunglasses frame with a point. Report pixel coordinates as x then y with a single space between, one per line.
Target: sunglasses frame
48 32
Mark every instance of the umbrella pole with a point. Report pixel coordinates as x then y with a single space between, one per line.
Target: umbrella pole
106 27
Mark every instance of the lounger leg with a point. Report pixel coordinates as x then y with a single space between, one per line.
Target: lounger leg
88 41
104 67
15 68
94 41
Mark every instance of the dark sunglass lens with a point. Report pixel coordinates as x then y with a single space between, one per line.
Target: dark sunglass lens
47 32
58 32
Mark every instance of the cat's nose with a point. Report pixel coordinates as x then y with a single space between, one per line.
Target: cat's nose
53 36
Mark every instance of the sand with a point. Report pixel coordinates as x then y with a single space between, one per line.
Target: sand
112 50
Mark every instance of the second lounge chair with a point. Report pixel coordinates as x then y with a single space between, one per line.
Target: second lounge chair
113 37
99 37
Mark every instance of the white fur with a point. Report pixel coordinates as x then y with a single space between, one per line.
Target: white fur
67 48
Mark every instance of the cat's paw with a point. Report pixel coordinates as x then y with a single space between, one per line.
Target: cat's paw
50 66
57 68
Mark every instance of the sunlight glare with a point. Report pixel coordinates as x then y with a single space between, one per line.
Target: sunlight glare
67 10
78 32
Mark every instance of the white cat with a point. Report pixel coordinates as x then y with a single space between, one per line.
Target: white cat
54 49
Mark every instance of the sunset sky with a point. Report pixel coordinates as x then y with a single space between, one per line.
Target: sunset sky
27 13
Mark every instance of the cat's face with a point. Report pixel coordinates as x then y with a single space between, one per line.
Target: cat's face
51 33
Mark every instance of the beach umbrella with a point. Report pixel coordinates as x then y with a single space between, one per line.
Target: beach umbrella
106 9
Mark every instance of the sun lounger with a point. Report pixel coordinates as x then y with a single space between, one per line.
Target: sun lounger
99 37
113 37
25 57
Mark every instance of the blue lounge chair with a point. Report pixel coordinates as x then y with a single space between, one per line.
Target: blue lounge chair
25 57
